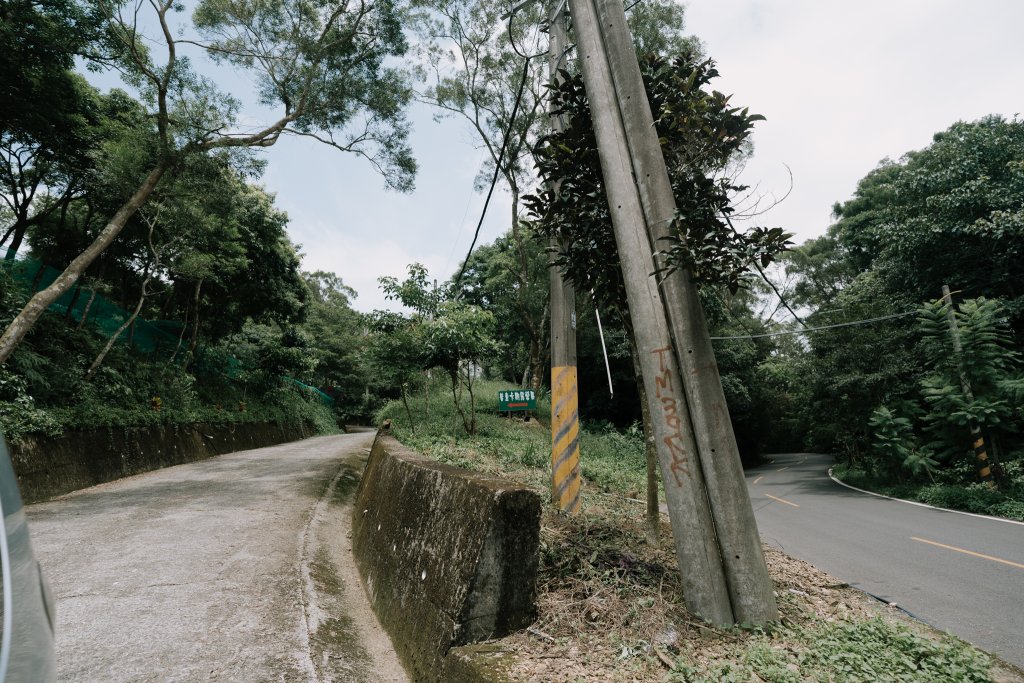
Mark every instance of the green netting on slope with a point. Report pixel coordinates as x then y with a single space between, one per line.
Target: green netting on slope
98 311
149 336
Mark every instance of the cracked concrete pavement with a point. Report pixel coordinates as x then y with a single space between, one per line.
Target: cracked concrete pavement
236 568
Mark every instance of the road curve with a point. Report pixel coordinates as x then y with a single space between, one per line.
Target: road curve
234 568
959 573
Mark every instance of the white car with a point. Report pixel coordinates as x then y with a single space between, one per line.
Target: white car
27 627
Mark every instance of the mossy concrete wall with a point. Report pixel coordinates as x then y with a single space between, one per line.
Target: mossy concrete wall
51 466
449 557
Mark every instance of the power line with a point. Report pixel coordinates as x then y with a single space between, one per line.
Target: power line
504 144
498 169
823 327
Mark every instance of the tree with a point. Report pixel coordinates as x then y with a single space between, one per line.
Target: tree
43 173
493 280
478 69
983 384
321 63
338 339
950 213
458 340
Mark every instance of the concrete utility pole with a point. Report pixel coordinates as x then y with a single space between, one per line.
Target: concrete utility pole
750 588
565 452
977 438
704 584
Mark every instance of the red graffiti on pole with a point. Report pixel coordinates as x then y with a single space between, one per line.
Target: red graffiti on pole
665 392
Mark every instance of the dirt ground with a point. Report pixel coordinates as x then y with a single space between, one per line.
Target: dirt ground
610 606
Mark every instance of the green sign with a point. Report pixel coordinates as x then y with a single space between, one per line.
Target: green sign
517 399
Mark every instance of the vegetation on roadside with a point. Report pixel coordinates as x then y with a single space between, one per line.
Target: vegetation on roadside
610 603
983 499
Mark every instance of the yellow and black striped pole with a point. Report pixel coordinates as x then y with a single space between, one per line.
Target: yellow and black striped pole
565 414
565 439
981 454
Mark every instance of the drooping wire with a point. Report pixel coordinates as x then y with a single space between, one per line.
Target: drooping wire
764 276
497 171
504 145
823 327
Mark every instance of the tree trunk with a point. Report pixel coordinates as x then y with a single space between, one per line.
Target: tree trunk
181 336
88 305
456 390
195 319
537 366
38 277
472 399
408 411
38 304
426 391
17 232
113 338
69 313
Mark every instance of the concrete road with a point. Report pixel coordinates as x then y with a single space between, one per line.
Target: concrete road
959 573
235 568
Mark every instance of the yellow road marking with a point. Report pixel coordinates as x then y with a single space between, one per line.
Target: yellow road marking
967 552
784 468
781 500
759 479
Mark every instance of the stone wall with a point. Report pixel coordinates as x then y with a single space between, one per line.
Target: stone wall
51 466
448 556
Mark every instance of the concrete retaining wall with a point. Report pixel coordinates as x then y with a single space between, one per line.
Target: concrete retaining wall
51 466
449 557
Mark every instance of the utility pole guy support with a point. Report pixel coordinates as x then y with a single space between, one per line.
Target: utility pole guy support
725 576
750 588
704 585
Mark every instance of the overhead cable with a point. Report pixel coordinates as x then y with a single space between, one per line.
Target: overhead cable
823 327
504 142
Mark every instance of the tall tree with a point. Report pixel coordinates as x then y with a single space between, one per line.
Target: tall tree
320 63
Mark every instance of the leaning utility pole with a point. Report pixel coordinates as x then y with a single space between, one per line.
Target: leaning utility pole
977 438
565 427
750 588
704 584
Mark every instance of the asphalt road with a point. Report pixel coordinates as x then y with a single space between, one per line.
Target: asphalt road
959 573
235 568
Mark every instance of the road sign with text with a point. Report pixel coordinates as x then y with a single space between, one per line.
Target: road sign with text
517 399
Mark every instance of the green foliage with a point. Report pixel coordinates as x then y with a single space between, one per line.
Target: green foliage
845 651
700 133
946 214
509 279
986 360
949 490
950 213
894 447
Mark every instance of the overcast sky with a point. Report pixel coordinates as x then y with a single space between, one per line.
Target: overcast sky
842 84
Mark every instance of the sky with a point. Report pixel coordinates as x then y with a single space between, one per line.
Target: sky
843 85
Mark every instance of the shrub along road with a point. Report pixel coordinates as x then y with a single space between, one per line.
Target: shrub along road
959 573
235 568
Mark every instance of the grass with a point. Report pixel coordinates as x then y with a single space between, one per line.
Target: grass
509 446
979 498
610 604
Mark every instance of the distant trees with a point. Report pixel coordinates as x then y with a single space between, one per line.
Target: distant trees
889 391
